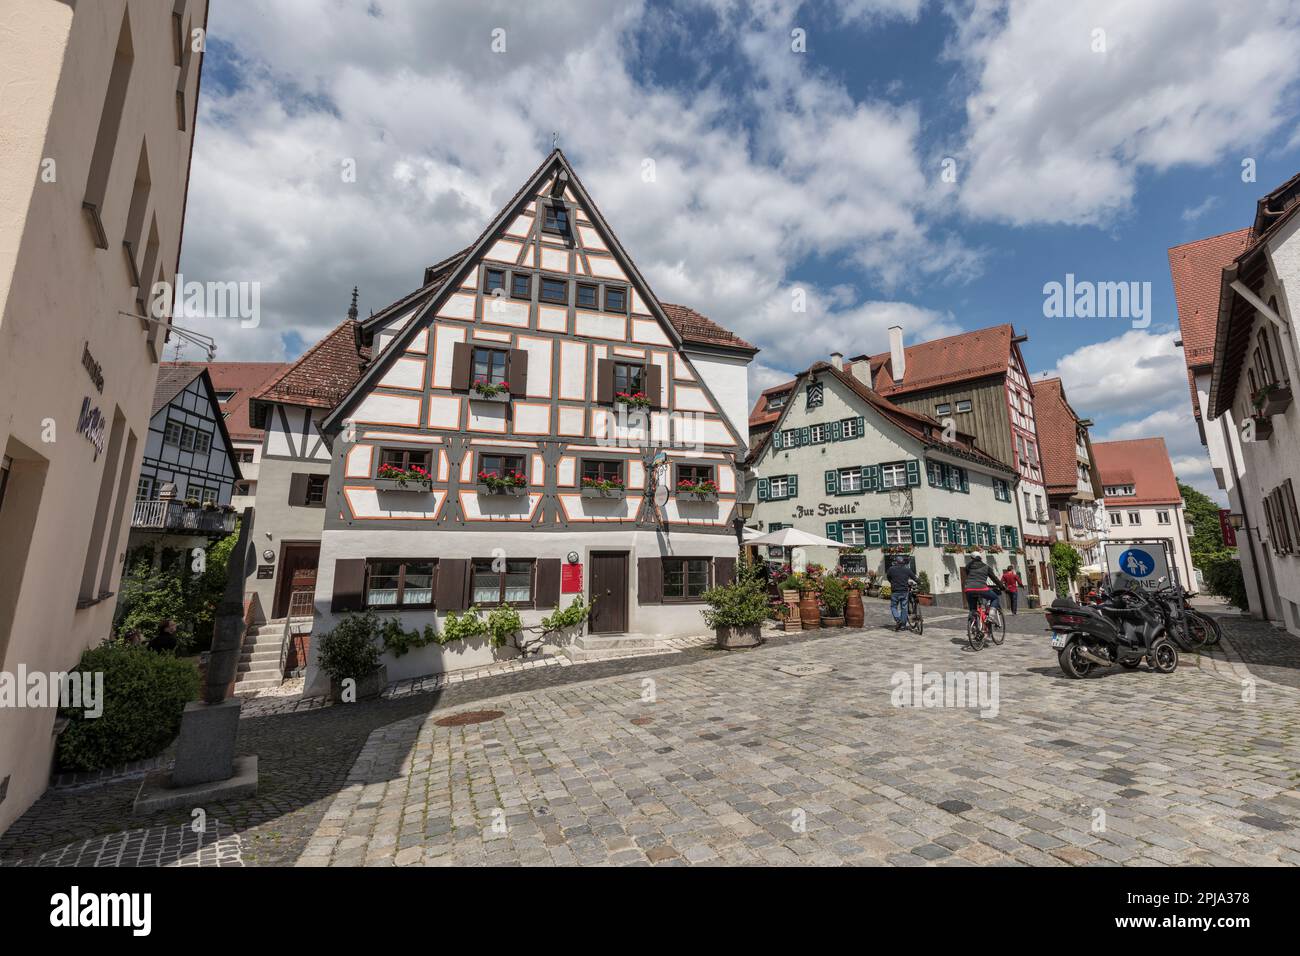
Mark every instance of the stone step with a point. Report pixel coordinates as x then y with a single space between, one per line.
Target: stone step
258 670
595 647
252 686
269 656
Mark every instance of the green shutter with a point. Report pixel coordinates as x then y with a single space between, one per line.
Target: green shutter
861 430
762 489
835 431
880 479
936 524
965 481
1015 537
832 482
793 485
833 530
803 436
931 468
918 531
913 473
870 477
875 532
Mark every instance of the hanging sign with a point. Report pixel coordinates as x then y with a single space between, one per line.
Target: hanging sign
1225 525
571 579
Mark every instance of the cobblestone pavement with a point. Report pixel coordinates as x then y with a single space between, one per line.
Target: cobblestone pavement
717 769
1270 653
176 845
734 761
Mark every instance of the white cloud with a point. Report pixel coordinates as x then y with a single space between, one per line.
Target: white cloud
1193 213
1058 132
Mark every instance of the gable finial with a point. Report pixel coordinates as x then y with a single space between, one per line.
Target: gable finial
352 311
555 140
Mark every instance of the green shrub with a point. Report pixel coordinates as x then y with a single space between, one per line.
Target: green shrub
349 650
571 616
502 625
834 596
743 603
462 627
144 696
398 641
923 583
1223 577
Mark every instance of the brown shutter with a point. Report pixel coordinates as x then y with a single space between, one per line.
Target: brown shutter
654 385
460 362
650 581
548 582
605 382
517 371
349 584
452 589
724 570
297 489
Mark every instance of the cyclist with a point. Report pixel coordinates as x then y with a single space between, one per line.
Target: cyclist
981 582
900 577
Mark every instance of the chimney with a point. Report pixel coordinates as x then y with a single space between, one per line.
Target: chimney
837 361
897 357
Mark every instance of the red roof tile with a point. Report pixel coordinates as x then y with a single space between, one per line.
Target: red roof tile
324 374
242 378
1142 462
700 329
1197 269
1058 429
956 358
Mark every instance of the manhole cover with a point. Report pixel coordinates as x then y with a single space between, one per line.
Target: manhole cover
470 717
641 721
805 670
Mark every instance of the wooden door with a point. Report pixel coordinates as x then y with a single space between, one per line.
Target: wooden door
297 573
609 591
1033 578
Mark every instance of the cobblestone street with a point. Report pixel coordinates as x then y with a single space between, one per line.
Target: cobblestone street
704 757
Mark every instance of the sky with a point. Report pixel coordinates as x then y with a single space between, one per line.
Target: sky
933 164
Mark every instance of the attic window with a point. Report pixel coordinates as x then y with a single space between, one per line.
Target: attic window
588 296
493 279
556 219
225 396
963 405
777 401
615 299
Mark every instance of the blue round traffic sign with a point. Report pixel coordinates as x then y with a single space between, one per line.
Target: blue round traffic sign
1136 563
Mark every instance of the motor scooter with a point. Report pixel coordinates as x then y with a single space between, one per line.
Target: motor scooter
1124 630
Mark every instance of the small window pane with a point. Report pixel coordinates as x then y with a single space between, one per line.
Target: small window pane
418 588
521 286
489 366
486 584
555 290
519 581
384 578
493 279
586 296
615 299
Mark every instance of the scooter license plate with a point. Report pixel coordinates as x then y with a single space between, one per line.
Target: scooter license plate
1059 641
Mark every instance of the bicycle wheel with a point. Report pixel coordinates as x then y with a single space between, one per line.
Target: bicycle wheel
975 634
1198 631
1213 632
997 626
917 623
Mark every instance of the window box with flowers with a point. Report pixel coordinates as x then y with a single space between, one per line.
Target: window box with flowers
1262 427
954 549
391 478
611 487
486 391
1272 399
706 490
512 483
898 549
632 399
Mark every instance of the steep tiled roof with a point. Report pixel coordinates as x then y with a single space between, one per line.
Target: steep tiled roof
172 380
762 415
1057 430
1197 269
702 330
325 372
1141 462
956 358
242 378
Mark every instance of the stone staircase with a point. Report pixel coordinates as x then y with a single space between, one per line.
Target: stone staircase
598 647
259 659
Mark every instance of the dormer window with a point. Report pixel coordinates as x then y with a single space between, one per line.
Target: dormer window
776 401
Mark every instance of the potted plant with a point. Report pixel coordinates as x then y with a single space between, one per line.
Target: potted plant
511 483
209 505
191 502
602 487
953 549
633 399
392 478
1263 427
809 601
873 583
700 490
349 653
885 592
491 391
736 611
1272 399
854 612
834 597
923 595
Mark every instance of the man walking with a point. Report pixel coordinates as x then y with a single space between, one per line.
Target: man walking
1011 583
900 579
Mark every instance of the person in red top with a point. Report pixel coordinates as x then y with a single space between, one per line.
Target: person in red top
1011 581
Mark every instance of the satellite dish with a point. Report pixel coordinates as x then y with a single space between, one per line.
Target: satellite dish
661 496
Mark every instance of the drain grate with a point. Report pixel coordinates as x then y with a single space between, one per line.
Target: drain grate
641 721
470 717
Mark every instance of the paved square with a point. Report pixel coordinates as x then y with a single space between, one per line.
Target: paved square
728 760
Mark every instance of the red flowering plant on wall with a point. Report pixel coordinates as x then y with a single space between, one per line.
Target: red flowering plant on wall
505 482
403 476
702 488
612 483
490 390
635 399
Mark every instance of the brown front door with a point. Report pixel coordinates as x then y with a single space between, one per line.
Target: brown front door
609 591
1033 579
297 573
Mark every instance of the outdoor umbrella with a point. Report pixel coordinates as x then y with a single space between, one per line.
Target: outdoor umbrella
794 538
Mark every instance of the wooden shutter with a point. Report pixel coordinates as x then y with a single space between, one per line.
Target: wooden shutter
548 581
650 581
453 584
835 431
832 482
654 384
861 430
833 531
913 473
870 477
605 382
919 531
792 486
805 437
461 359
297 489
349 584
965 481
724 570
762 489
517 371
875 532
936 525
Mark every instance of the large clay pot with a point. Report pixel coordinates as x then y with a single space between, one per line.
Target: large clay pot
854 615
810 611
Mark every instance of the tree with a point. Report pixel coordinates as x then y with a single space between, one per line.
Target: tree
1203 515
1066 561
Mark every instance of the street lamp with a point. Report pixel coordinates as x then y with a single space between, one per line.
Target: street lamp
1237 521
744 511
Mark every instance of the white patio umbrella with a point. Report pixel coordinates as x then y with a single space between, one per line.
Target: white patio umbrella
794 538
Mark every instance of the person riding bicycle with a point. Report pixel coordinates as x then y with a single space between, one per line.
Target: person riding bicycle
981 582
900 578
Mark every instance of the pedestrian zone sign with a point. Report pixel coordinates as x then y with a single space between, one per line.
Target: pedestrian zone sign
1137 566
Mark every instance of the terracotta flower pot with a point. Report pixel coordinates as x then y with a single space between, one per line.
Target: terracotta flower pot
810 609
832 621
925 600
854 614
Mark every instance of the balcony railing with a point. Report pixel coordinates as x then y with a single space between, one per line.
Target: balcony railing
156 514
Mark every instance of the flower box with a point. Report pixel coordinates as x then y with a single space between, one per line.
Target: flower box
1273 400
1263 427
697 491
603 492
506 491
410 484
482 391
633 400
500 397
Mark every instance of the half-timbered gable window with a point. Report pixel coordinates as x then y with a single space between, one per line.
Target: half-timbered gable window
144 488
404 458
172 433
489 366
399 583
316 489
628 378
615 299
695 475
521 285
686 579
554 290
500 465
588 296
497 582
555 219
602 469
493 279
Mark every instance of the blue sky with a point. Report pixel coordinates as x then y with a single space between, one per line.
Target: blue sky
1086 138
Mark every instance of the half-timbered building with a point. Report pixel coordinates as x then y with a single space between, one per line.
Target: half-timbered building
534 425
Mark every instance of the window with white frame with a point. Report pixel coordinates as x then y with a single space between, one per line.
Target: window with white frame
1116 519
144 488
850 479
853 533
943 409
963 406
898 531
1134 517
778 487
893 475
817 434
849 428
941 532
1162 517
